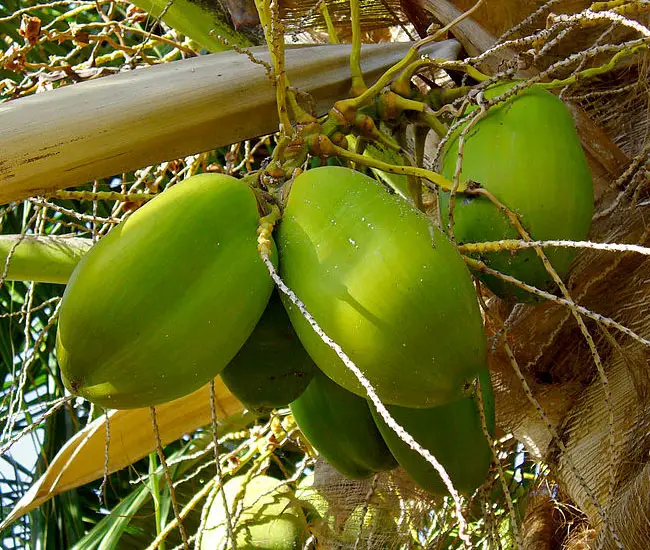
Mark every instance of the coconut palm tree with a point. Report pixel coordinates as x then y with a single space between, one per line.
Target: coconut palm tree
570 383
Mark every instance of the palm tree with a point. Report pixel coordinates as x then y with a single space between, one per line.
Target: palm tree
578 406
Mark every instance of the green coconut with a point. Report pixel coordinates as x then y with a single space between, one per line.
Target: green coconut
272 369
159 306
452 433
338 424
384 284
270 519
527 153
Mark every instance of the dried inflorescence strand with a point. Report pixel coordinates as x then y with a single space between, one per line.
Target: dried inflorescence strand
52 407
495 459
248 156
559 38
74 214
12 250
515 244
206 491
107 445
459 161
480 266
102 196
82 41
527 21
252 58
30 357
192 475
599 41
35 407
213 417
589 18
600 93
168 477
39 7
543 37
459 107
634 172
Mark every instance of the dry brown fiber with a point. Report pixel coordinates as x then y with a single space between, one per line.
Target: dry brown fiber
375 14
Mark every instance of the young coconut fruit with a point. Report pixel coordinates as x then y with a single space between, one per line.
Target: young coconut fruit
272 369
270 519
339 425
314 504
342 524
527 153
452 433
384 284
159 306
371 524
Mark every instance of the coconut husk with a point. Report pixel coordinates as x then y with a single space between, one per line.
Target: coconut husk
376 15
537 529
